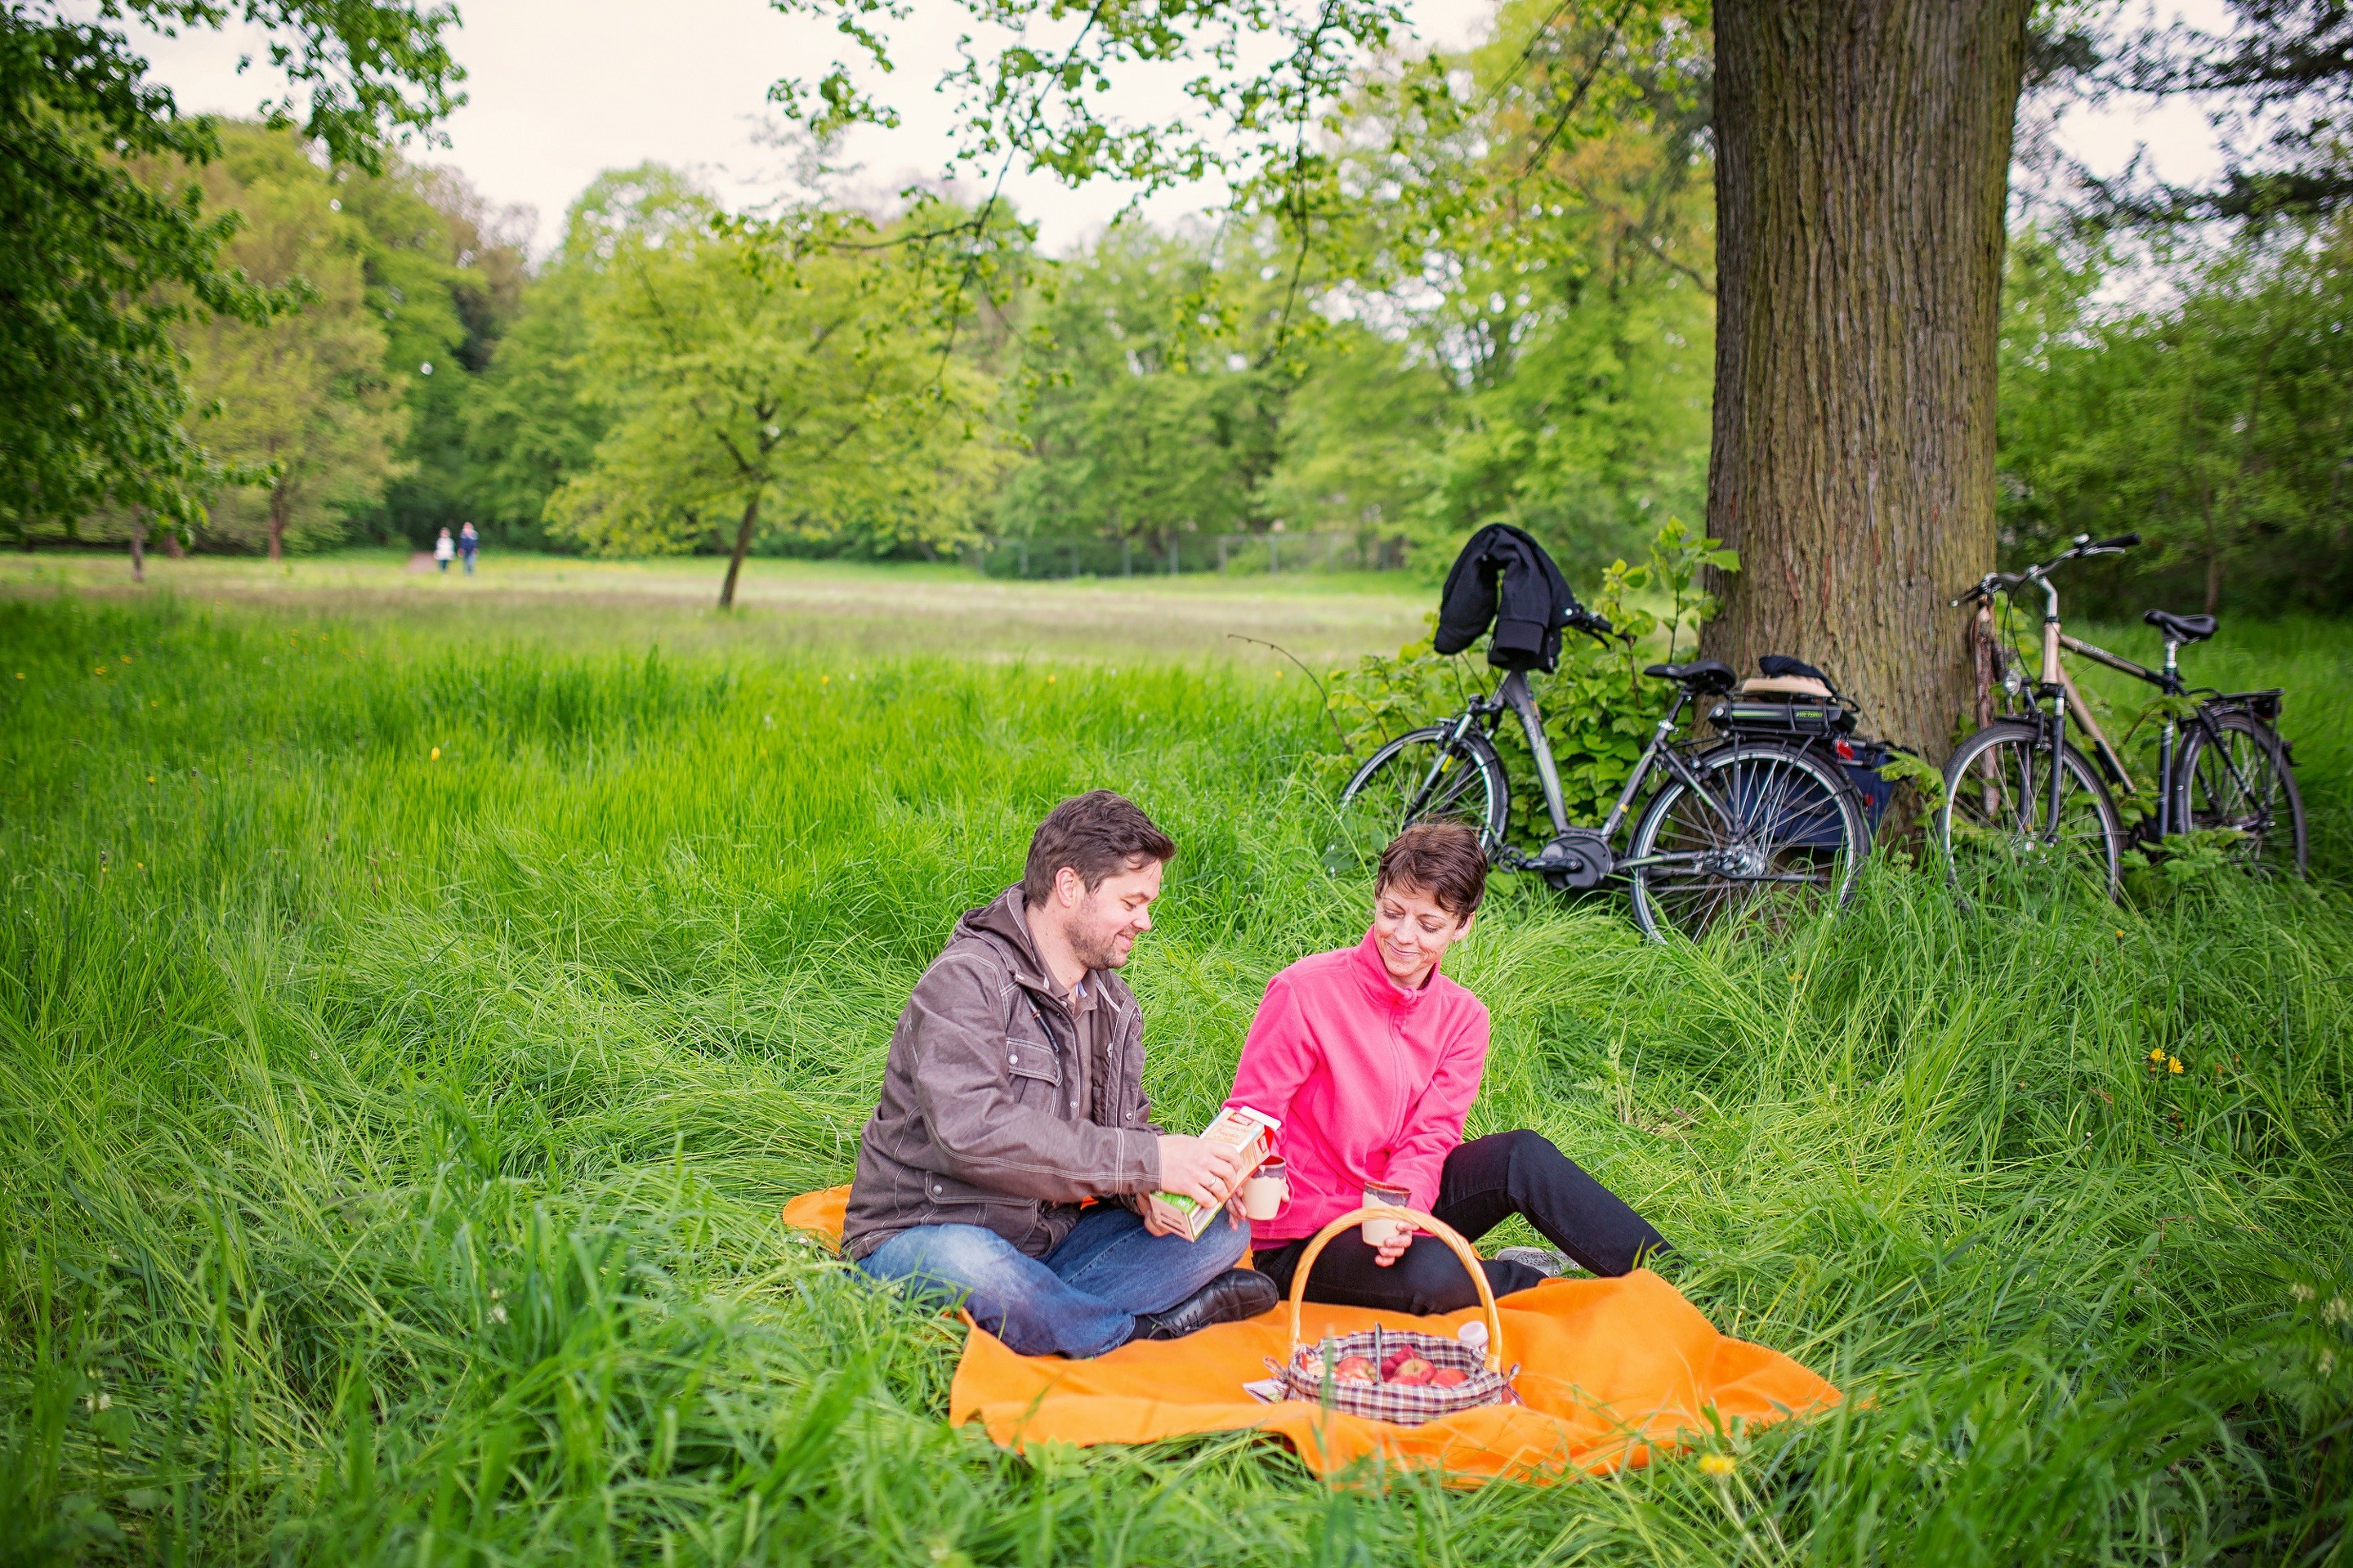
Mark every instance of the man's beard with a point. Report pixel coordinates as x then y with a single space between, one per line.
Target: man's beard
1097 950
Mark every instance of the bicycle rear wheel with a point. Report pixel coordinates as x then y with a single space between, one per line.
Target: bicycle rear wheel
1420 777
2243 785
1777 838
1996 820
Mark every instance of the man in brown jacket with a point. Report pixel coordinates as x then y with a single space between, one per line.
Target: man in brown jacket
1014 1093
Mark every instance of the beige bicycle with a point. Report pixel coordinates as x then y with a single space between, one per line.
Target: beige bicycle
2020 794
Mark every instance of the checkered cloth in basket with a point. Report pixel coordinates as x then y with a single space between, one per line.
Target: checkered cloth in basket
1309 1373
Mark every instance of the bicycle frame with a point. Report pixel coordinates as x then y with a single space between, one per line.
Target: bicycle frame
2058 688
1513 696
2168 679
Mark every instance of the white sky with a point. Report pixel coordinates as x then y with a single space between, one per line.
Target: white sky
562 89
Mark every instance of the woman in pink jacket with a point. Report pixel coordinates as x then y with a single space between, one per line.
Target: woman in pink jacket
1370 1059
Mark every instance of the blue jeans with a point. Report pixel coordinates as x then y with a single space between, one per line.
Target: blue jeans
1080 1300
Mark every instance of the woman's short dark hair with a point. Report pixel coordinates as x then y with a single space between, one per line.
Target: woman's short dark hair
1100 833
1442 860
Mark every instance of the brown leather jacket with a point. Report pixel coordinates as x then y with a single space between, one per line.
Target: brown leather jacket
982 1120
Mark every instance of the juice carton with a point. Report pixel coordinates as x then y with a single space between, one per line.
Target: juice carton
1239 1128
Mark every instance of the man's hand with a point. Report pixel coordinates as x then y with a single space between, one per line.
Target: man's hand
1203 1171
1389 1251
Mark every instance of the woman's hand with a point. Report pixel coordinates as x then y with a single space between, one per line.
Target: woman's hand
1389 1251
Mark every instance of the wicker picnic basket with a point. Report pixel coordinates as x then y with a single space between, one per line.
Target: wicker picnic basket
1308 1373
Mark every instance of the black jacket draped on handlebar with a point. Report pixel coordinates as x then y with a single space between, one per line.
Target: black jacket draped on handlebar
1503 576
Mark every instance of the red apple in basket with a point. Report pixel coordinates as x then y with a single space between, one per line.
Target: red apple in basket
1413 1371
1448 1377
1353 1369
1395 1360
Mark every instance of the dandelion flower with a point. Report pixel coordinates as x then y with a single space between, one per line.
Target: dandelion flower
437 754
1717 1464
2156 1055
825 680
1050 680
2173 1064
150 778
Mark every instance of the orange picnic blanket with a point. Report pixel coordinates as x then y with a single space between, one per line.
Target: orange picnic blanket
1611 1371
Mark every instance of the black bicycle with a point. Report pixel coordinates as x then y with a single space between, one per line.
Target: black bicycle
1742 830
2020 793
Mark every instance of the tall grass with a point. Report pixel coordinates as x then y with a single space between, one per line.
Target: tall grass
390 1143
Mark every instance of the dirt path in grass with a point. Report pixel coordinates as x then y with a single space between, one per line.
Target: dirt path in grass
817 605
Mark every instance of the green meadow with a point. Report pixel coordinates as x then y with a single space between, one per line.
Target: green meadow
414 1010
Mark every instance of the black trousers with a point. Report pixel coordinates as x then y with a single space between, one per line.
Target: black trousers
1485 1183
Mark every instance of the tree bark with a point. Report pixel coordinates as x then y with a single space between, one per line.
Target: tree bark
172 544
279 504
1863 160
742 547
138 544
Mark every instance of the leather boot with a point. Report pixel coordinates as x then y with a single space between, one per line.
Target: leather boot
1234 1295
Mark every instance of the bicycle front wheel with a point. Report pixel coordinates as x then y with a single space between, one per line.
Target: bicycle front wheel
1996 821
1422 775
2238 781
1775 837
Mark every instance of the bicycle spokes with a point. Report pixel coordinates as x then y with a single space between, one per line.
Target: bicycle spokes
1426 776
2018 803
1763 839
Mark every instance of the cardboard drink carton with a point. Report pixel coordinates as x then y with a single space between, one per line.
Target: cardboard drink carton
1239 1128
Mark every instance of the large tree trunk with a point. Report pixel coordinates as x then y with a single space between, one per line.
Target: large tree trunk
138 544
742 546
1863 160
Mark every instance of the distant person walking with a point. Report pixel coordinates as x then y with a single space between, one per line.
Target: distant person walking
468 544
443 549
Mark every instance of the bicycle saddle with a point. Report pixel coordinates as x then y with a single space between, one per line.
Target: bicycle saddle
1710 675
2181 628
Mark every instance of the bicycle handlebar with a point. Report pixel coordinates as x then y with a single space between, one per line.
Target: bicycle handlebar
1580 619
2085 546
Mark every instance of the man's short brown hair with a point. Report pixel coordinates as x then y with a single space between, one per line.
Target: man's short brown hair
1100 833
1442 860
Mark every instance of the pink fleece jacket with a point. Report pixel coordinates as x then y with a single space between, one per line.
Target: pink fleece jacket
1370 1083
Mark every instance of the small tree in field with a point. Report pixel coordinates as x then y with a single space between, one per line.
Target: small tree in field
754 387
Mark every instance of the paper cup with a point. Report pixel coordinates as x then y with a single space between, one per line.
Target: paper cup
1377 1231
1263 1194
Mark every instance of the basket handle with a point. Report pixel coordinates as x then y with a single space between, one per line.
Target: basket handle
1419 1221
